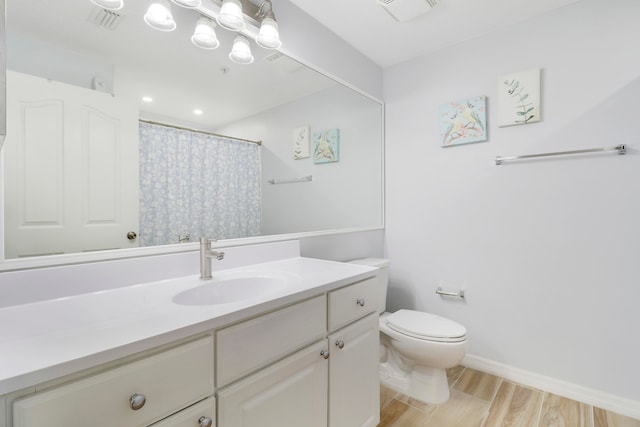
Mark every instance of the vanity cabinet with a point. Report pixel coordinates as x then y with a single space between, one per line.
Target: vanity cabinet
332 382
133 395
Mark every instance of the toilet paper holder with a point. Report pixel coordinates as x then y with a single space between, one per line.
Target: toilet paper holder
459 294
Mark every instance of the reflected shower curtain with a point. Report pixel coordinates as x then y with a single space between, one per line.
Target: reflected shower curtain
197 184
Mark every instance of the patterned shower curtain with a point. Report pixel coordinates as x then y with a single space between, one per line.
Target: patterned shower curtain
197 184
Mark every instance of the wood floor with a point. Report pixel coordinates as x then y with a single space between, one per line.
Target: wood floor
484 400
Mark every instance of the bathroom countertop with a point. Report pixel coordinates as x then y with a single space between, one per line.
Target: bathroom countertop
45 340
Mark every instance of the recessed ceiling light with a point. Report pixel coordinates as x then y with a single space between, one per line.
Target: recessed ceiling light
197 111
147 99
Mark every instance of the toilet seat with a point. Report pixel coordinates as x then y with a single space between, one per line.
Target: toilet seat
426 326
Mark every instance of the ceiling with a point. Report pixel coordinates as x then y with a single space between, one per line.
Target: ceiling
371 30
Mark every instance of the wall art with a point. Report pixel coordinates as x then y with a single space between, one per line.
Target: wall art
463 121
326 146
301 142
519 98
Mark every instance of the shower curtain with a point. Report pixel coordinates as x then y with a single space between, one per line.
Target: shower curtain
196 184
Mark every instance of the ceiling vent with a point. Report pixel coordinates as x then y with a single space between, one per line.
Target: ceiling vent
406 10
107 19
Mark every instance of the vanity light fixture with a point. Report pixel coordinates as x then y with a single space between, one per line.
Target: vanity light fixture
268 36
189 4
109 4
230 16
204 35
159 16
241 51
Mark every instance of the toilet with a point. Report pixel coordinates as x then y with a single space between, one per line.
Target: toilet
416 347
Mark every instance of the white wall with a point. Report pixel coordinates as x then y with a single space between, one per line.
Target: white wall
546 250
343 194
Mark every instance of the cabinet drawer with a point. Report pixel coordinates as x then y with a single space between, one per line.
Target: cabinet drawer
169 381
352 302
193 416
247 346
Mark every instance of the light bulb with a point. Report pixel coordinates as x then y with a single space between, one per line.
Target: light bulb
159 16
204 35
269 36
230 16
241 52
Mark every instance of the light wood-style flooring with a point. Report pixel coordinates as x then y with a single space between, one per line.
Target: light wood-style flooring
483 400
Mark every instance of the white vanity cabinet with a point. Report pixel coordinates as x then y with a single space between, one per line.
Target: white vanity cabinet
332 382
133 395
354 385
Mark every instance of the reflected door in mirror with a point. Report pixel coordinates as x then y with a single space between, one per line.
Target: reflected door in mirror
71 157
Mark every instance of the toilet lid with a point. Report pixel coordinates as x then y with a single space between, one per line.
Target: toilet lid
426 326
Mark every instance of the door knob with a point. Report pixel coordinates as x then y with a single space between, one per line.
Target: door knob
132 235
137 401
205 422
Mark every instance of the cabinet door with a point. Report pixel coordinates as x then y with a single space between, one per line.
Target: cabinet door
291 393
354 386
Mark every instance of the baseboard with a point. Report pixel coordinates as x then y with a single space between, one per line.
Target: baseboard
609 402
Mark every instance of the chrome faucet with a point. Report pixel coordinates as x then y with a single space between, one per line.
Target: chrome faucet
206 253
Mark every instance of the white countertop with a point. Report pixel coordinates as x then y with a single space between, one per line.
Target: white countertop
45 340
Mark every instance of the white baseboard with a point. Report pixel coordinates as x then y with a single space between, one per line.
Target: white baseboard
609 402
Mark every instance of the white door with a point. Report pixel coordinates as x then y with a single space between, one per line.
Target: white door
71 169
291 393
354 386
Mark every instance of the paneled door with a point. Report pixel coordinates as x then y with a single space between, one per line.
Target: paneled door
70 168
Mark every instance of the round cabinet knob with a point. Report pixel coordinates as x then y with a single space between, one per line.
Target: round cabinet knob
205 422
132 235
360 302
137 401
325 354
340 344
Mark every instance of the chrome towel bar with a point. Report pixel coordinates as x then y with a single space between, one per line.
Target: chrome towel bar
621 149
288 180
459 294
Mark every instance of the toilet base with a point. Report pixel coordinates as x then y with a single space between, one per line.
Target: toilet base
426 384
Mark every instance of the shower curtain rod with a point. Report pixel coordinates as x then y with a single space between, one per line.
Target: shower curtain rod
199 131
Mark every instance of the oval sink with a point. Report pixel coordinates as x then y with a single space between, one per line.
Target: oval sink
230 290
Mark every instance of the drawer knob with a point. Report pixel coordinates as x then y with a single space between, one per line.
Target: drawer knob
360 302
325 354
340 344
205 422
137 401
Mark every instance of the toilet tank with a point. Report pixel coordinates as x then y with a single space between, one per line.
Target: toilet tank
382 278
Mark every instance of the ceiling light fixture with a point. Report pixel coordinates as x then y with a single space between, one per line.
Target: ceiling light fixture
268 36
241 52
109 4
189 4
147 99
204 35
159 16
230 16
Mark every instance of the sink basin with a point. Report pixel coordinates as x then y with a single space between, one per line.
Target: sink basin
226 290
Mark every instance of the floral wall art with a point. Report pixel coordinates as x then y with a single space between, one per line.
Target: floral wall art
463 121
519 98
301 142
326 146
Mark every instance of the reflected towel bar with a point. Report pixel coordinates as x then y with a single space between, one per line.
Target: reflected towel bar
287 180
459 294
621 149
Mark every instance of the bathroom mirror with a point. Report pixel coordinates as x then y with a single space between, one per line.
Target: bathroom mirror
270 100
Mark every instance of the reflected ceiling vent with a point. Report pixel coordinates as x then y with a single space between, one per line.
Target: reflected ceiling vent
406 10
107 19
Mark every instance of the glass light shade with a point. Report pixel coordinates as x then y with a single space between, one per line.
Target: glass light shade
204 35
269 37
159 16
241 52
230 16
109 4
190 4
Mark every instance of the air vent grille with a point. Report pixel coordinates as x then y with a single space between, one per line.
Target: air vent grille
406 10
107 19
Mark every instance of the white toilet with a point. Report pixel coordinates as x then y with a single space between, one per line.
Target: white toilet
416 347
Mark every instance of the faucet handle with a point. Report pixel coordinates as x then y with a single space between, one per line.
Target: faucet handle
220 256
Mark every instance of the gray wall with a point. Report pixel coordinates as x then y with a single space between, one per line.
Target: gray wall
546 250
